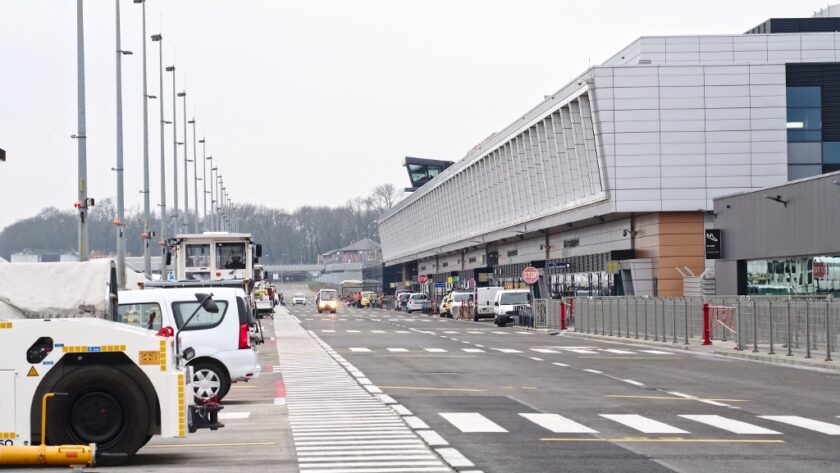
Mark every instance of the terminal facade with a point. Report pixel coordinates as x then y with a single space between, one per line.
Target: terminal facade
607 186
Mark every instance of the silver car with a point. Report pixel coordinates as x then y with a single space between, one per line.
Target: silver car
417 301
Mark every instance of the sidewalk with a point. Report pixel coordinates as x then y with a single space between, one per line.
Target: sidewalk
721 348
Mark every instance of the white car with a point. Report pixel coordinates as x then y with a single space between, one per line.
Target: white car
484 299
417 301
506 302
460 299
225 351
299 298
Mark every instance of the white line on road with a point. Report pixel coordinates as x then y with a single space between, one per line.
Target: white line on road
234 415
454 457
358 349
544 350
435 350
634 383
558 424
535 358
398 350
432 438
506 350
593 371
643 424
618 352
731 425
560 364
656 352
471 422
805 423
415 422
473 350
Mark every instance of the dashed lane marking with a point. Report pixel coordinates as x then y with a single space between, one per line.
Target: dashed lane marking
472 422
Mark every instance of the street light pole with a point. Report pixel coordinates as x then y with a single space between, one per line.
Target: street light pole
119 222
212 183
82 203
195 179
147 230
183 94
163 220
204 180
176 221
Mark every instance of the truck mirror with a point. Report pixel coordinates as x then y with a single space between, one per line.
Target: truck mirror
168 258
259 250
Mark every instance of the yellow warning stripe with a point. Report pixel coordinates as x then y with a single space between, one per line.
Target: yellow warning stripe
92 349
163 355
182 409
7 435
5 325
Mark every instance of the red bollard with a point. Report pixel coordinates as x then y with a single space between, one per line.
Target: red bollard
706 325
562 315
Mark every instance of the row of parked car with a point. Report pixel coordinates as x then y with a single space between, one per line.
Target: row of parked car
478 303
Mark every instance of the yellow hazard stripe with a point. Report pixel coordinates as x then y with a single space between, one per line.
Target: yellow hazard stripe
5 325
182 408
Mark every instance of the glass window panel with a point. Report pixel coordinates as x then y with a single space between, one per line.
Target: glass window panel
804 96
804 118
799 136
831 152
140 315
798 171
230 256
198 256
830 168
202 318
804 153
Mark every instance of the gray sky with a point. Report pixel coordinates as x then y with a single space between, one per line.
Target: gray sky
305 102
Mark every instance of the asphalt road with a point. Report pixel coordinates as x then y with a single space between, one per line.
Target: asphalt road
512 400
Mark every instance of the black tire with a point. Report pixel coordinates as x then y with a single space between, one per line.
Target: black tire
209 379
103 406
333 312
475 317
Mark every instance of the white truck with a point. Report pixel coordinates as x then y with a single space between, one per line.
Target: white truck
116 385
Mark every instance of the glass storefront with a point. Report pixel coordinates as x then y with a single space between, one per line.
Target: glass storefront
794 276
581 284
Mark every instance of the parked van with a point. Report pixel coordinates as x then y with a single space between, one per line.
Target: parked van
222 341
326 300
484 299
506 301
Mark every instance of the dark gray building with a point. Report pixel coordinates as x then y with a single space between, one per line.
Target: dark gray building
781 239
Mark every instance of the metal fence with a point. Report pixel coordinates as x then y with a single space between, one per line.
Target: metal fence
794 325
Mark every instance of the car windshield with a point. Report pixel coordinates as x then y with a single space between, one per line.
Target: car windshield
461 296
230 255
418 297
328 296
298 295
515 298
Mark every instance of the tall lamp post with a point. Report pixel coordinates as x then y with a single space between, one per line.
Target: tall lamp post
195 180
82 203
119 222
176 220
204 181
212 183
163 219
147 231
183 94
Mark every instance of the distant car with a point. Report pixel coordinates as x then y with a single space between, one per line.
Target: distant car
506 302
400 298
416 301
299 298
443 309
484 299
460 299
326 300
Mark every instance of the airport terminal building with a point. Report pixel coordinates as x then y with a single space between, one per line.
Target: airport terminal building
607 186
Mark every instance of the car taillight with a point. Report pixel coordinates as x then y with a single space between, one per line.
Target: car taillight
244 336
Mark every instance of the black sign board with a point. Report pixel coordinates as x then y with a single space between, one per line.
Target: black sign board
714 250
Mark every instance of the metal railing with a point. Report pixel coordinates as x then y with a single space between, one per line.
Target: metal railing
808 326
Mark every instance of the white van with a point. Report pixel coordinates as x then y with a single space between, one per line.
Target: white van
224 351
484 299
504 306
326 300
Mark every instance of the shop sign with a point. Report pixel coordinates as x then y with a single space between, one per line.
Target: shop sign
714 248
450 279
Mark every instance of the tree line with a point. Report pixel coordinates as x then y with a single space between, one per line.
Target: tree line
287 237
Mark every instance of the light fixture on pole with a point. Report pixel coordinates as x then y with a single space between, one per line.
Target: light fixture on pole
176 219
147 231
183 94
163 217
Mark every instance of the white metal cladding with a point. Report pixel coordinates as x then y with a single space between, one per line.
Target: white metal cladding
551 165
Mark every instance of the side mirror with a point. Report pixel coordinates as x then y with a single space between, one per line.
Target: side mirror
496 303
259 251
189 353
168 258
207 303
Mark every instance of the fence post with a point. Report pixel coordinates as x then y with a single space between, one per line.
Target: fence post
790 331
618 315
611 316
655 323
808 329
603 319
706 326
646 320
739 346
755 328
636 316
674 309
770 310
686 320
827 330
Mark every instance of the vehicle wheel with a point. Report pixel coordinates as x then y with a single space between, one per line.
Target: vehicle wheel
103 406
333 312
209 380
319 311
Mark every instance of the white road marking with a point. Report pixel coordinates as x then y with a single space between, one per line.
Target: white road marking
499 333
593 371
704 401
415 422
805 423
560 364
617 352
454 457
432 438
353 331
644 424
535 358
473 350
506 350
479 345
525 333
398 350
401 410
544 350
581 351
731 425
358 349
234 415
328 331
558 424
471 422
634 383
435 350
656 352
402 331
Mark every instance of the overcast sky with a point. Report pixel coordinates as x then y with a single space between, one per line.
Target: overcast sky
306 101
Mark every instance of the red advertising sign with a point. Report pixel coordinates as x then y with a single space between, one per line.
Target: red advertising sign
531 275
422 279
820 269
